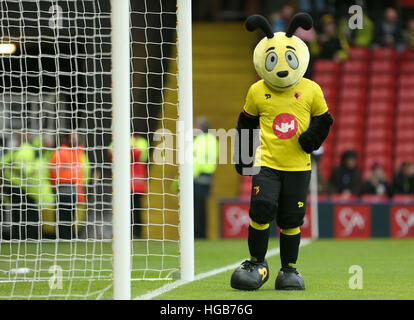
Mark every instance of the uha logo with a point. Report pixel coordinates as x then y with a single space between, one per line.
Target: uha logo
405 220
238 218
349 220
285 126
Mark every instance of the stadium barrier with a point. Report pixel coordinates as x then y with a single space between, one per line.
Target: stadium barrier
336 219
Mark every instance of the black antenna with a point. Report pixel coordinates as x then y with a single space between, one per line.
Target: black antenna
257 21
301 19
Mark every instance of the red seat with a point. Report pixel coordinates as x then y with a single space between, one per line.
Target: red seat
404 122
355 66
406 94
354 80
377 121
378 147
383 94
358 53
353 93
383 66
406 80
407 54
406 107
330 93
382 53
324 66
383 159
382 80
404 149
380 107
342 146
407 67
325 166
404 135
326 79
346 106
349 120
378 133
345 134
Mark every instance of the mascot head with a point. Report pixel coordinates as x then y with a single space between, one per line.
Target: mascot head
281 59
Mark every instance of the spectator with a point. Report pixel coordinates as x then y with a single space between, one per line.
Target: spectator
346 178
19 171
388 32
358 37
404 179
329 44
377 182
409 34
205 163
67 175
280 18
139 158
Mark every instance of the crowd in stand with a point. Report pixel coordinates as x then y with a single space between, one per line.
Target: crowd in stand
346 179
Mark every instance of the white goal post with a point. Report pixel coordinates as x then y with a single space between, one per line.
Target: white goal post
120 92
88 209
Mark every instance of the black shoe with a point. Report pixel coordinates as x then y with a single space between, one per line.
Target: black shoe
250 275
289 278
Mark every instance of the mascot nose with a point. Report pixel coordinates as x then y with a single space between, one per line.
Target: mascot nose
282 74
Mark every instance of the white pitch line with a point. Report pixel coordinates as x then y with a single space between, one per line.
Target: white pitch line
173 285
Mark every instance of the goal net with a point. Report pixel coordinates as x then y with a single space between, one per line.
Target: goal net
56 169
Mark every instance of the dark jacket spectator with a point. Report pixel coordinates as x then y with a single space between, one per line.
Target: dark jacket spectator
388 31
377 182
329 44
346 178
404 179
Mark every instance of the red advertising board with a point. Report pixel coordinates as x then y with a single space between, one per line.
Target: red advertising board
235 220
352 221
402 221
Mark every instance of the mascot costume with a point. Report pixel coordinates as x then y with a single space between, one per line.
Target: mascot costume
294 121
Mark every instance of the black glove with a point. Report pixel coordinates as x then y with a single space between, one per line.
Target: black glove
307 142
317 132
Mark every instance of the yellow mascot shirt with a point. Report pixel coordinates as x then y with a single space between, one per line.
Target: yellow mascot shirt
284 116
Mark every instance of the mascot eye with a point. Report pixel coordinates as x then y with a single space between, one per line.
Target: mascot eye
292 60
271 61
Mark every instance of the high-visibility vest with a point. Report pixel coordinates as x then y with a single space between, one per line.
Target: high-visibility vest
25 168
139 157
205 154
67 168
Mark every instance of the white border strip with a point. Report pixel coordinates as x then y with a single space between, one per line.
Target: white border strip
173 285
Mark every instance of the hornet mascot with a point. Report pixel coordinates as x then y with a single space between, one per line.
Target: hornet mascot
293 118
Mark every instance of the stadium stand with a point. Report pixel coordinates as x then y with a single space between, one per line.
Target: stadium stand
371 98
373 115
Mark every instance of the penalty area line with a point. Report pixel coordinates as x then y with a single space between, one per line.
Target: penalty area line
173 285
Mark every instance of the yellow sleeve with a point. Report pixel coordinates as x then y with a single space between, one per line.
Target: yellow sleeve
319 105
250 106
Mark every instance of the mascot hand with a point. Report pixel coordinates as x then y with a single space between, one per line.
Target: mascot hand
307 142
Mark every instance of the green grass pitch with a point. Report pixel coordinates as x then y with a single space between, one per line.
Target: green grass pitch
387 265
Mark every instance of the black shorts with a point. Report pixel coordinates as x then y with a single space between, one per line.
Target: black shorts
281 195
